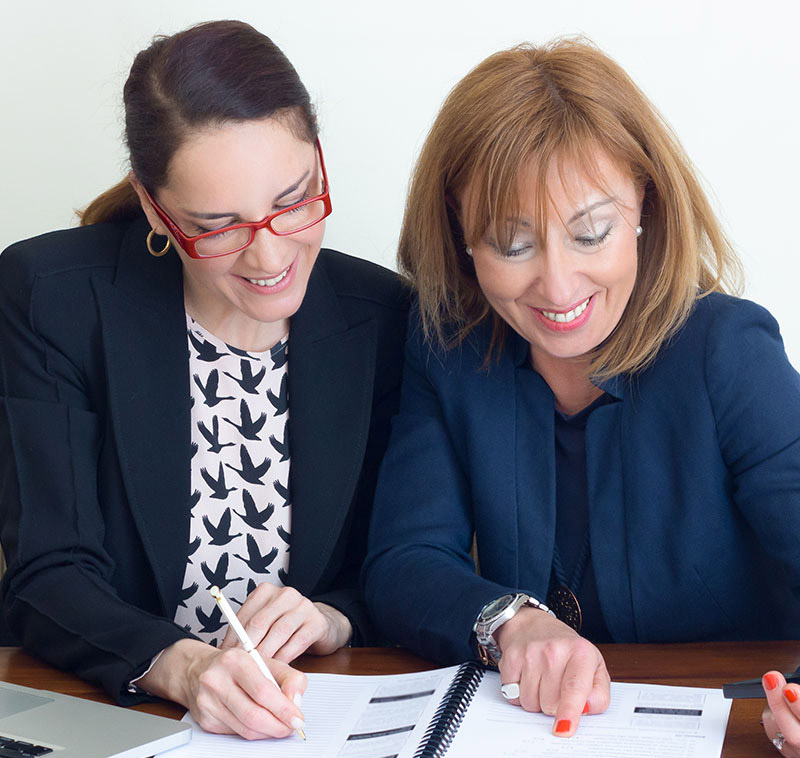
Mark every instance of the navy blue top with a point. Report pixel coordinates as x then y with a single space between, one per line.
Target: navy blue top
572 519
693 487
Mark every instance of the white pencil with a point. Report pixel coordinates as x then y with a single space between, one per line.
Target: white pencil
244 638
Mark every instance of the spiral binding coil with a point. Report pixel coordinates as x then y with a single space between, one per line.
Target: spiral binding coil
451 711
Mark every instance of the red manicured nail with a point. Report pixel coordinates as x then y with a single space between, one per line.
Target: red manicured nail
790 695
564 725
586 707
770 681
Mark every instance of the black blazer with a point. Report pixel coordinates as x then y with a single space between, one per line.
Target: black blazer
95 441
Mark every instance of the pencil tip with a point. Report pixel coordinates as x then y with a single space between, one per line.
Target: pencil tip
301 733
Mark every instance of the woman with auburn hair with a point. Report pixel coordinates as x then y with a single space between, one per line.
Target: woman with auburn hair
619 437
189 386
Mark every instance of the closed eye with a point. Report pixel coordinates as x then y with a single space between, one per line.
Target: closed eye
219 233
305 196
594 240
520 247
515 252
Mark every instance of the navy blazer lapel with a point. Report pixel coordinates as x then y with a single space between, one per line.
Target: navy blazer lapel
144 330
536 476
509 454
607 516
331 374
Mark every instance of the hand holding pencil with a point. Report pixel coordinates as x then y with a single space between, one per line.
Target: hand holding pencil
225 692
230 615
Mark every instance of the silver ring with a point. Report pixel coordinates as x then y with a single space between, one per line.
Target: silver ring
779 741
510 691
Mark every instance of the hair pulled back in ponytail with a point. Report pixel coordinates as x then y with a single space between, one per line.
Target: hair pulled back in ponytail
207 75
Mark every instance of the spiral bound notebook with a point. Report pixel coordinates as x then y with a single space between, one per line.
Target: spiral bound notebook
451 712
459 712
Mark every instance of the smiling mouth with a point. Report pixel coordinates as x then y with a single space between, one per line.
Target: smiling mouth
565 318
270 282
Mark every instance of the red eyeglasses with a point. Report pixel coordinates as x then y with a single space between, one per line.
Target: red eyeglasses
231 239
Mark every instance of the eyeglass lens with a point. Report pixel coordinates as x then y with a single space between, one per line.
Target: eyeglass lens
284 223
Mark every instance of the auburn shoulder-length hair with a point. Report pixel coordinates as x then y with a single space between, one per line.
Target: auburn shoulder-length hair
528 108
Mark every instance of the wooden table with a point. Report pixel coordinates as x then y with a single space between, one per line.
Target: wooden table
698 664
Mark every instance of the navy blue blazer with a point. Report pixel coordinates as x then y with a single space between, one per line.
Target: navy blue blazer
95 441
694 489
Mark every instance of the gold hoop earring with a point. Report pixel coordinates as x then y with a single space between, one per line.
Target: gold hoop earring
156 253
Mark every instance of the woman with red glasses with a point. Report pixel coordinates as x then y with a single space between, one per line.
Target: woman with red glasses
188 387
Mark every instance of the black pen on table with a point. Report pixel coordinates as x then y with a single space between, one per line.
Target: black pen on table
752 688
244 638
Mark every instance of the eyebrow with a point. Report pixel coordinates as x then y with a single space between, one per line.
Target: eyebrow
590 208
216 216
525 224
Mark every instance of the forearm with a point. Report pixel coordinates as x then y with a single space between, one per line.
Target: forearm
72 621
433 607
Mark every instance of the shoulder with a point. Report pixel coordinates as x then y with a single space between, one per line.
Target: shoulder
726 332
364 282
63 251
718 322
58 264
468 359
743 340
719 313
61 260
729 345
754 391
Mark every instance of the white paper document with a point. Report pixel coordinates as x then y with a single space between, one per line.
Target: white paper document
643 720
348 716
379 716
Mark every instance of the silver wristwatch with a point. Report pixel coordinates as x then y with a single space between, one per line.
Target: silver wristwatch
492 616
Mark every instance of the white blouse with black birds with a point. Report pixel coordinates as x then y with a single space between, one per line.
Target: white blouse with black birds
241 508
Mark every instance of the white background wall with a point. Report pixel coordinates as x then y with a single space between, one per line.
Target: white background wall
727 79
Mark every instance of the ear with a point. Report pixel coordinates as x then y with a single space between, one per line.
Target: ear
155 222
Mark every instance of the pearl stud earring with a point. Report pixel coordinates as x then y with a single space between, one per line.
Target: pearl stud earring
639 231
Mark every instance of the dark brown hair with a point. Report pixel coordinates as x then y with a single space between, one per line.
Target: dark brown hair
533 107
210 74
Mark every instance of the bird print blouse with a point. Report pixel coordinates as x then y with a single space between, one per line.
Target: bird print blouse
241 507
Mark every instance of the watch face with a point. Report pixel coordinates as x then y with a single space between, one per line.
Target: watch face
496 606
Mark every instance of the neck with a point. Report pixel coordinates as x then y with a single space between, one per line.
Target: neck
569 381
234 327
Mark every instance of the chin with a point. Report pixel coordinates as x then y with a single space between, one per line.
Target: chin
272 312
567 349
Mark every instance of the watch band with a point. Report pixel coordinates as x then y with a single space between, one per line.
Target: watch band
488 649
489 654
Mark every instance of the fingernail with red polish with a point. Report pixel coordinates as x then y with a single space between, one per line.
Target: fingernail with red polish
585 708
770 681
564 725
790 695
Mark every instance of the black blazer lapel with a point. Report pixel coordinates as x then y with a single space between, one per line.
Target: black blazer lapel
144 330
331 374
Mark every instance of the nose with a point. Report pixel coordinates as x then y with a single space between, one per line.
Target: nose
268 253
557 281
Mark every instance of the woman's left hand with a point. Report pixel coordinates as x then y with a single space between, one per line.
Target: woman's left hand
283 624
782 715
